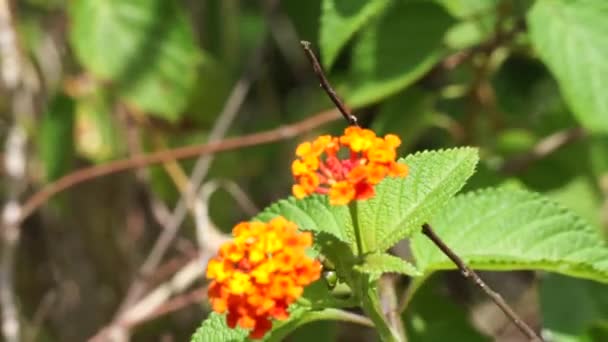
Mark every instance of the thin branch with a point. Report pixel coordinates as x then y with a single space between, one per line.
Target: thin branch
188 199
388 299
240 196
147 306
542 149
203 226
470 274
195 296
41 314
138 161
332 314
351 119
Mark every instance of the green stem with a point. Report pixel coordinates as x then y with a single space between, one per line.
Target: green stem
373 309
285 328
352 207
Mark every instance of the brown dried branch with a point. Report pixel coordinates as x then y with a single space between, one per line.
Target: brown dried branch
470 274
542 149
88 173
351 119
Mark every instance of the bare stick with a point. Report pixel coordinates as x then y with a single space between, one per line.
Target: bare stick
352 120
469 273
199 172
542 149
88 173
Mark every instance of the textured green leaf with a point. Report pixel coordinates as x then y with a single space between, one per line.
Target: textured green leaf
507 229
214 329
570 37
56 142
401 206
340 20
398 48
314 213
376 264
145 47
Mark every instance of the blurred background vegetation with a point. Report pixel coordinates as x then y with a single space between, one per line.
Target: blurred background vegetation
86 82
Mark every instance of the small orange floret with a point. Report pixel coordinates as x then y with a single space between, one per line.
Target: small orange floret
341 193
260 273
369 160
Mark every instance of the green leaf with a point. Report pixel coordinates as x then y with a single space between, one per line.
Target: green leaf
56 142
509 229
397 49
376 264
340 20
399 207
314 213
561 296
469 8
146 47
402 205
214 329
406 114
580 195
570 37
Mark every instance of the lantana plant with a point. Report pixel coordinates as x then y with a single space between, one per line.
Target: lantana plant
321 254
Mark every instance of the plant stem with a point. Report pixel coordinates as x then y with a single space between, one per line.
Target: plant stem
283 329
352 207
373 309
388 298
331 314
470 274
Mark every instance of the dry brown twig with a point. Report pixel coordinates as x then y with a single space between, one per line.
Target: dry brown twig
468 273
280 133
188 199
542 149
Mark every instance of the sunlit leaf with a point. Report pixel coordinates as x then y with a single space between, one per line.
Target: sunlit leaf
376 264
401 206
508 229
146 47
340 20
570 37
396 49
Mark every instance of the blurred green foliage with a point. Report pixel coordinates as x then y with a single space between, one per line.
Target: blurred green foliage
119 78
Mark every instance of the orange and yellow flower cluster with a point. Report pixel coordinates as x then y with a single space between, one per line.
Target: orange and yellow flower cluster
370 159
258 274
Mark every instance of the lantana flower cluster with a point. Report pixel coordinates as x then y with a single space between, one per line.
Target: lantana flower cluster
369 159
258 274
